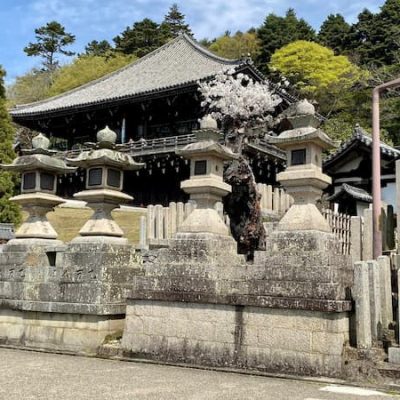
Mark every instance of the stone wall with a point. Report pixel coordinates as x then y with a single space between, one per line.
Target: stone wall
55 331
285 341
64 297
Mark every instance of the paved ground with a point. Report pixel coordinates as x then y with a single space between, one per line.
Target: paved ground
28 375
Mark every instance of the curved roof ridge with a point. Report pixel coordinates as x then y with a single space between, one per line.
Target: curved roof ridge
177 44
101 78
209 53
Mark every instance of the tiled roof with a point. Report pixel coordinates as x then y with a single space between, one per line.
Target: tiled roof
360 136
178 63
352 191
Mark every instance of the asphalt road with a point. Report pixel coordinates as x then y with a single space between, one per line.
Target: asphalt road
29 375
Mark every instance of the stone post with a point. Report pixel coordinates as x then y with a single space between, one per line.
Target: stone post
375 299
386 290
356 239
362 302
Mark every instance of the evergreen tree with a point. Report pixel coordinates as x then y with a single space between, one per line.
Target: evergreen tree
144 37
9 212
95 48
277 32
51 40
376 37
174 23
335 33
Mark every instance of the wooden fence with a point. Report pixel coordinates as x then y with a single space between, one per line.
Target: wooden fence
341 227
162 223
274 200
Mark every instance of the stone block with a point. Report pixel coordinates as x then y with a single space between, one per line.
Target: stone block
288 339
394 355
328 343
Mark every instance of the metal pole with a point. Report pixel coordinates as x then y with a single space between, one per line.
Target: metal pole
376 166
376 176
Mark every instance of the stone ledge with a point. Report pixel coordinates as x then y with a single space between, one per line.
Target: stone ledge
63 308
245 300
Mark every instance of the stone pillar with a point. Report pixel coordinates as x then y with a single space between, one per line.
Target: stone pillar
180 214
356 239
143 233
386 290
362 302
375 299
150 222
394 352
172 218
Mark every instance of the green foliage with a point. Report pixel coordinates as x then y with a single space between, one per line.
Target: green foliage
9 212
316 72
376 37
277 32
51 40
142 38
32 86
335 33
237 46
95 48
85 69
174 23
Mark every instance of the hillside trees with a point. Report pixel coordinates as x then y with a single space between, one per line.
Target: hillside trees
85 69
9 212
237 46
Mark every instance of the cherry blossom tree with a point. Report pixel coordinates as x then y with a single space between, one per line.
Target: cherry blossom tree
239 103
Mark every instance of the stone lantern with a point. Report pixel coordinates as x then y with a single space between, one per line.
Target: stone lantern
303 178
205 185
39 169
104 181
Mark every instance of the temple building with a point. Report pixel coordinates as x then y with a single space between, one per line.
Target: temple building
351 170
153 105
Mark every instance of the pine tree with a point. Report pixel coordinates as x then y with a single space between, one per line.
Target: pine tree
277 32
174 23
9 212
144 37
51 40
95 48
335 33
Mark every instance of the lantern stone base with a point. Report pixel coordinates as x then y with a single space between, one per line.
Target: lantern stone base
101 226
303 217
206 220
37 205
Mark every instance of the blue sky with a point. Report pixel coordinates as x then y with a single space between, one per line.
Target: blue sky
104 19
